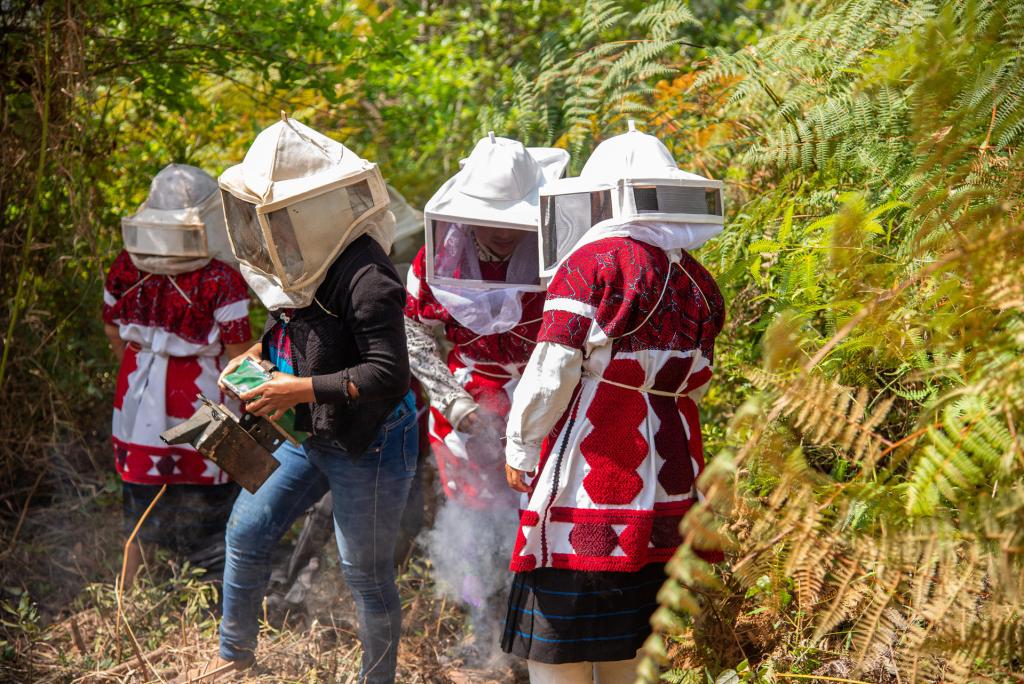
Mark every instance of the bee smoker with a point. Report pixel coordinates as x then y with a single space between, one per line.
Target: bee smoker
243 448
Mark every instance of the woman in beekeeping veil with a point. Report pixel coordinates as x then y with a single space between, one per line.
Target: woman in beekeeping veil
309 223
604 434
173 307
476 282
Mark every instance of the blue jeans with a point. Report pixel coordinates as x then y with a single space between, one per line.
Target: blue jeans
369 496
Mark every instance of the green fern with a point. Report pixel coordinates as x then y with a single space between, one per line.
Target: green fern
968 452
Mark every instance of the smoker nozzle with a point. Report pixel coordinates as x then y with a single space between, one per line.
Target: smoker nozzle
242 449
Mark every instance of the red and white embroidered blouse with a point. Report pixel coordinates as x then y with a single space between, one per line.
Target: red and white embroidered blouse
607 407
481 373
175 329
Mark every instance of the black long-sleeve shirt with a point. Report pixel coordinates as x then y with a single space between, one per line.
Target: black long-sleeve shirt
353 331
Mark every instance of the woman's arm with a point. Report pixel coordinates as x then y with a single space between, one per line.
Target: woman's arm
238 353
277 395
116 343
540 399
376 320
446 394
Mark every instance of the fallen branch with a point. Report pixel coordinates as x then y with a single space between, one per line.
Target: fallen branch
146 667
24 512
120 668
76 635
827 679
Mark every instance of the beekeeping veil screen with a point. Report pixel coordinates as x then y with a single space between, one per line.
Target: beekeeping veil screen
180 226
296 201
573 208
481 230
632 186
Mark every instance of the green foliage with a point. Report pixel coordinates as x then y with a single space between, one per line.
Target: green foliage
866 481
968 451
595 72
876 224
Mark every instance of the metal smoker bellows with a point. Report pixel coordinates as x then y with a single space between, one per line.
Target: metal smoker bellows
243 448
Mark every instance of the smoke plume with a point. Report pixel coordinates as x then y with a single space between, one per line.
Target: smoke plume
470 546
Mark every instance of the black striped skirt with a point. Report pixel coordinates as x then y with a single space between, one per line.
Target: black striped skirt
568 616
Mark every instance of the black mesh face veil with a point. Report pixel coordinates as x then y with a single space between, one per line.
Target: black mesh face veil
565 218
246 233
677 199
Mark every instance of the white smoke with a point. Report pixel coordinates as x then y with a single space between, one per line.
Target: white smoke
470 547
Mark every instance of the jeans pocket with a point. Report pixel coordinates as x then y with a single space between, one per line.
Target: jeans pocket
400 414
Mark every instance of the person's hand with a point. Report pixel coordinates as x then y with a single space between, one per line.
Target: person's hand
250 353
277 395
471 422
517 479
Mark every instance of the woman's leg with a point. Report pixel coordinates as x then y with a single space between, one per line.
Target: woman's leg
257 523
132 563
369 497
616 671
563 673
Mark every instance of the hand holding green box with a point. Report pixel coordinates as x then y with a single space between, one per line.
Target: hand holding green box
249 376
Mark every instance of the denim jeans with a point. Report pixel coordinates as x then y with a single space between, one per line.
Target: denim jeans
369 496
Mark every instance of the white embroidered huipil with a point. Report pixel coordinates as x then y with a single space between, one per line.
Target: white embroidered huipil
487 305
606 410
176 301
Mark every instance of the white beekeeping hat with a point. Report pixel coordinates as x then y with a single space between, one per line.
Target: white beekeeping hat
293 204
631 177
496 190
180 226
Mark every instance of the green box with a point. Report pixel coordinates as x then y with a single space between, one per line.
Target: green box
249 376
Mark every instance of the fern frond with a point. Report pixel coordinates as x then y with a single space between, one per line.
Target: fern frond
830 414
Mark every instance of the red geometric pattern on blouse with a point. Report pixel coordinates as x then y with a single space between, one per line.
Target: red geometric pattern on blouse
565 328
623 279
647 537
635 539
665 532
506 348
134 462
128 365
676 475
157 303
593 539
182 373
524 562
688 407
614 449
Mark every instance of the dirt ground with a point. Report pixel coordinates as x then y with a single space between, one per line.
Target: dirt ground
59 618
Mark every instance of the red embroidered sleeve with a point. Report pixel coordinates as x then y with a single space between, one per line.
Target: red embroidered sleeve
609 281
714 305
231 302
121 276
